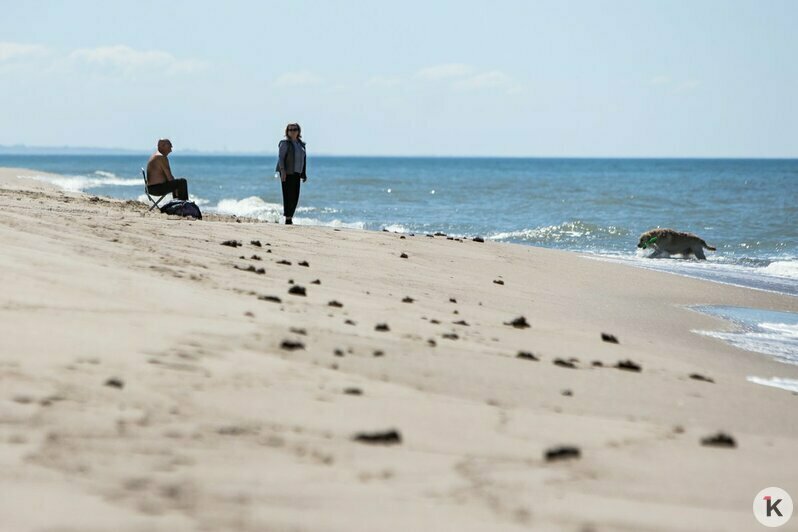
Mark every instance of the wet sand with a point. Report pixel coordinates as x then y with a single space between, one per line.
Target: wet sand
152 378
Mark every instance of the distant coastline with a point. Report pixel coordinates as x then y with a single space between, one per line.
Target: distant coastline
23 149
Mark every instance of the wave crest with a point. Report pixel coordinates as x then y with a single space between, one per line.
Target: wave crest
79 183
788 268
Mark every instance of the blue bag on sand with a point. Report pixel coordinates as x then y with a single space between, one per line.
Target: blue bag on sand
182 208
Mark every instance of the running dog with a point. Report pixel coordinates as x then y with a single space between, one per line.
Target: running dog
670 242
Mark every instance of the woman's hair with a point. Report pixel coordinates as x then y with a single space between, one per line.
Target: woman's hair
299 133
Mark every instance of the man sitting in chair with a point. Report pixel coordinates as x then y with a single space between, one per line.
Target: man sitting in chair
160 180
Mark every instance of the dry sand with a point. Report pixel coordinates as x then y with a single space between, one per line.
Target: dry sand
143 385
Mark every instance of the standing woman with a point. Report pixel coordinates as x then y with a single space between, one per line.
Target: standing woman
291 165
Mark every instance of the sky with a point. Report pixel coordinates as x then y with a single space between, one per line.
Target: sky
606 78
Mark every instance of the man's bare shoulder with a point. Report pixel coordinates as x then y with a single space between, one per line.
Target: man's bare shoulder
158 162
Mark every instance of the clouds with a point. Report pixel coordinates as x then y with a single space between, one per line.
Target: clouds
10 51
454 76
465 77
301 78
124 60
486 80
106 61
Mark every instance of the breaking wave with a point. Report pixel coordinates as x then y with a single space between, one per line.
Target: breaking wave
255 207
80 183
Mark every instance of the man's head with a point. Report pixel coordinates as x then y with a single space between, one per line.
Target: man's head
164 146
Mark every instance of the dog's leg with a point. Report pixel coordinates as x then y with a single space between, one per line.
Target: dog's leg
699 252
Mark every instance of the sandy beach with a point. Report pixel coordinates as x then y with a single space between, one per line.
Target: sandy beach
310 378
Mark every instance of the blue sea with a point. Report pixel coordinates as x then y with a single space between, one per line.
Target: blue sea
748 209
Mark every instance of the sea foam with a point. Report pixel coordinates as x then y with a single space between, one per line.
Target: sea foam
80 183
763 331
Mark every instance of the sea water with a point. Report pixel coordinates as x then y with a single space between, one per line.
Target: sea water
748 209
765 331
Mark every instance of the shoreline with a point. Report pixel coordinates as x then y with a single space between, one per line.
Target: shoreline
783 281
764 282
150 382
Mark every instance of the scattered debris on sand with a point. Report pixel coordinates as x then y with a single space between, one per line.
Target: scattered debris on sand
628 365
388 437
519 323
563 452
721 439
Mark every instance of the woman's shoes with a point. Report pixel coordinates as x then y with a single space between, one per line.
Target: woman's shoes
289 221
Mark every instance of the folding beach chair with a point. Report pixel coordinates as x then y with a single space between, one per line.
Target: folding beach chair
147 192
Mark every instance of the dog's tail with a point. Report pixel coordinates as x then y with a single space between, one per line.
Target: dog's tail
708 246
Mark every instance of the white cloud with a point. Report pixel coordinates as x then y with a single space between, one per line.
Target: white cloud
12 50
660 80
492 79
128 61
466 77
298 79
445 72
485 80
